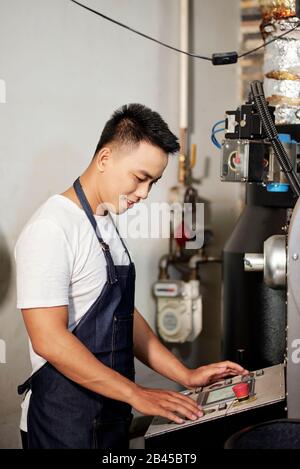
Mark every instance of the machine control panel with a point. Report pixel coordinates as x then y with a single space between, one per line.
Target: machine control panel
218 400
223 393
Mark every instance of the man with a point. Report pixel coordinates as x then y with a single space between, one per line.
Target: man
75 286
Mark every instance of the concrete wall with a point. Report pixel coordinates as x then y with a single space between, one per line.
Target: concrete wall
65 72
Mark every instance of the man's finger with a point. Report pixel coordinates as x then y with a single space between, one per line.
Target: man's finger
233 366
170 416
178 395
195 408
182 410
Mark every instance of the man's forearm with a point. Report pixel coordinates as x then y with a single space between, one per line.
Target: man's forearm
69 356
150 351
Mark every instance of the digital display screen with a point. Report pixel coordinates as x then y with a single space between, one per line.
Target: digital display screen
220 395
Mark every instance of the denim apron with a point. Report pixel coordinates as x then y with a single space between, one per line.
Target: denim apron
63 414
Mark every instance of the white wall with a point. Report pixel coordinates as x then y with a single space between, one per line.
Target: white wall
215 90
65 72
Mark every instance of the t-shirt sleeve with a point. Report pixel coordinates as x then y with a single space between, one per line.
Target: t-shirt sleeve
44 261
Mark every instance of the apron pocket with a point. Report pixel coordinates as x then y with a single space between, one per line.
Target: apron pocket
111 434
122 333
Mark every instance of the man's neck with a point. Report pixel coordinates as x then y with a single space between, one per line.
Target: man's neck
87 185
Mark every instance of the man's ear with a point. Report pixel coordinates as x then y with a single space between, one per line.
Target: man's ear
102 157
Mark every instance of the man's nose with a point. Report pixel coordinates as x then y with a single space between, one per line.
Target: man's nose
143 191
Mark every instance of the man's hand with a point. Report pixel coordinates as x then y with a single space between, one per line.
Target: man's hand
205 375
165 404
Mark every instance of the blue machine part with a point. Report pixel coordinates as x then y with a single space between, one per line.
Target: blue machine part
277 187
286 138
281 187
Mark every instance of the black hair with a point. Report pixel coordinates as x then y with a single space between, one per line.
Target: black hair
134 123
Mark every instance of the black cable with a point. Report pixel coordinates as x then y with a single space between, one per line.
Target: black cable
223 58
141 34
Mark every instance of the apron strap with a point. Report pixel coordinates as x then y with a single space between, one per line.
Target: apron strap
122 241
27 384
24 387
112 276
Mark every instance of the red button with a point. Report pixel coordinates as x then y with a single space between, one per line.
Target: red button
241 391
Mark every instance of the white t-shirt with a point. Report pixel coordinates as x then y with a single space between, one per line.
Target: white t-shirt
59 261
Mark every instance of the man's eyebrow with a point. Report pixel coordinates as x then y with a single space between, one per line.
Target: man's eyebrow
144 173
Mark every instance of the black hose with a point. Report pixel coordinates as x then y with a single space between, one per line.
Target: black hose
272 135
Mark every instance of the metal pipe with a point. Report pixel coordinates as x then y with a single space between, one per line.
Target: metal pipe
254 262
184 65
183 90
200 259
164 263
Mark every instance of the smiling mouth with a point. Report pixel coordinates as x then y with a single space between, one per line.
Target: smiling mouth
130 202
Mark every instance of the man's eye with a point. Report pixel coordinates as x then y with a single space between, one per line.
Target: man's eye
139 179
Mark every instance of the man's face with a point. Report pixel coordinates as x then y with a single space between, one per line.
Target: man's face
129 173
